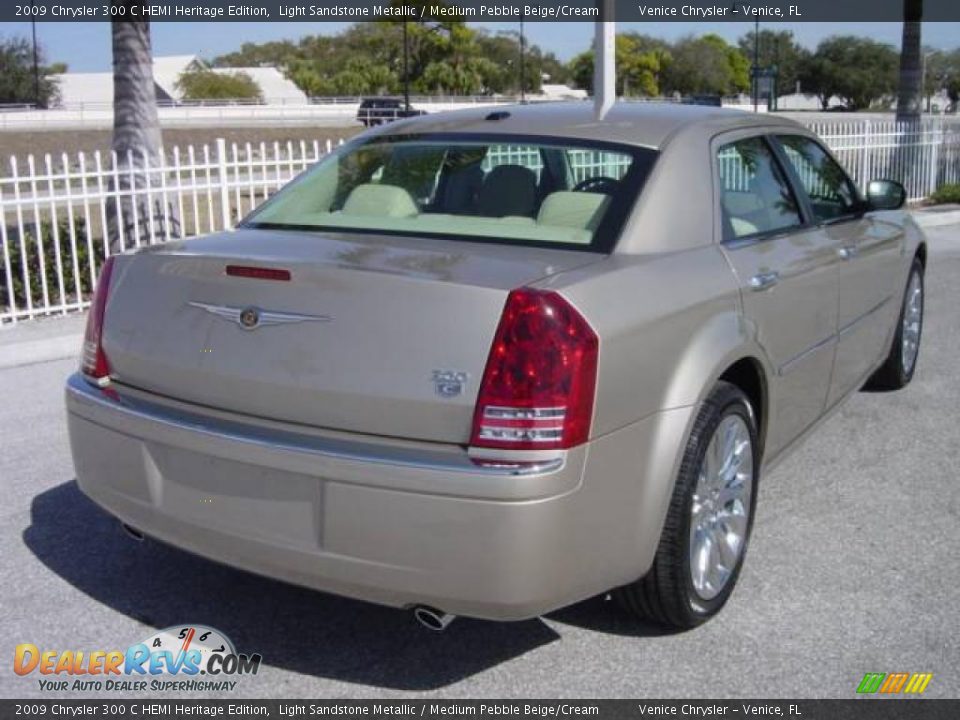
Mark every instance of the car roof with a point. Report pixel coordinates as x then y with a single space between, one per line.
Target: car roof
648 124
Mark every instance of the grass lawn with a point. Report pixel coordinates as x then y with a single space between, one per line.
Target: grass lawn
56 142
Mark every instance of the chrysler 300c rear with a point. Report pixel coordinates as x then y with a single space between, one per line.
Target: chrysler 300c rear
493 364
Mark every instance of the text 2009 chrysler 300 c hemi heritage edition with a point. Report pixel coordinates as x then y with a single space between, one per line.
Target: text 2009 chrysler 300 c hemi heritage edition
495 363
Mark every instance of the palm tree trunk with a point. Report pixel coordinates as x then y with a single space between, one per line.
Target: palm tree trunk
137 216
911 64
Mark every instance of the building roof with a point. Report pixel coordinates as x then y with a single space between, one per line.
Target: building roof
274 87
647 124
167 70
97 88
85 88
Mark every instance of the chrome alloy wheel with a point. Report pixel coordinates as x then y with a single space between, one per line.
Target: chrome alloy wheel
720 509
912 322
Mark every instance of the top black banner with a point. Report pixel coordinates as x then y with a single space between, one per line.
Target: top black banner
766 11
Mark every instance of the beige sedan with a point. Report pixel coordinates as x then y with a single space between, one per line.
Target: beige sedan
495 362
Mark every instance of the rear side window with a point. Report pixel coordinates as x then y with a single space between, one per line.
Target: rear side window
755 197
832 194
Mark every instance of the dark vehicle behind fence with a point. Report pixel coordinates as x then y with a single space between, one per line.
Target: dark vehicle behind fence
379 110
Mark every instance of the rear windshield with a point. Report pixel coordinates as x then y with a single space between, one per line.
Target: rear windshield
494 189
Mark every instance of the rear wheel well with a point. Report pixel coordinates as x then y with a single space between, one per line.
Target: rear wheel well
922 255
747 375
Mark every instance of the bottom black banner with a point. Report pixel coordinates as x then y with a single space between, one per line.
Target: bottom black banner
867 709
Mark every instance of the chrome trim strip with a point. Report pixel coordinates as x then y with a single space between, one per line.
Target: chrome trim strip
788 365
81 390
850 325
512 413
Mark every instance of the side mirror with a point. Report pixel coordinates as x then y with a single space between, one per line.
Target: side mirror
886 195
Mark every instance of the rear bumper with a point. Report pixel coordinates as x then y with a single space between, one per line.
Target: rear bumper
393 524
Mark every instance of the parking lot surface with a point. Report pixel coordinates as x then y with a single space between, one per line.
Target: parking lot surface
854 567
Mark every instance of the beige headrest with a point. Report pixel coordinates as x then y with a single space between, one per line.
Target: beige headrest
380 201
573 209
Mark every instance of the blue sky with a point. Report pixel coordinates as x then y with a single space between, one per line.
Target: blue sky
85 46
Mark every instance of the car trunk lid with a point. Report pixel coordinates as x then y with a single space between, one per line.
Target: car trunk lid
370 334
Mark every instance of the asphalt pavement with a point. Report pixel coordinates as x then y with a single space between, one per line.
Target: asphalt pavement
854 567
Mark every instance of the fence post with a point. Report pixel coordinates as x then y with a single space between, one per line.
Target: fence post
865 157
222 178
937 136
7 267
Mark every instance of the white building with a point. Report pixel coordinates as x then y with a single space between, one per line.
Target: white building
95 90
553 91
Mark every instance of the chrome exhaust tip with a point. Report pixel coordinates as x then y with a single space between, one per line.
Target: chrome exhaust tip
132 532
433 619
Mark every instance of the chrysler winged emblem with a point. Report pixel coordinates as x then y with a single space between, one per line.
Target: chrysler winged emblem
251 318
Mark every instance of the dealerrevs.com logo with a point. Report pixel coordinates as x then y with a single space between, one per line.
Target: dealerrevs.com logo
180 658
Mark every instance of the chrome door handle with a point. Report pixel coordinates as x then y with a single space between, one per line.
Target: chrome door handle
848 252
762 281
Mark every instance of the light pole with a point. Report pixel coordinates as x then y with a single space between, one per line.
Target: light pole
923 77
523 93
406 71
36 58
604 65
756 66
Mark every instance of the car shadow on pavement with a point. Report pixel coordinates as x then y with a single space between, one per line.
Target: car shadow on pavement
601 614
293 628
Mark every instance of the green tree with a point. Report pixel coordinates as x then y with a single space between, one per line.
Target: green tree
17 80
276 53
943 75
858 70
368 58
706 65
951 78
942 71
777 48
640 65
207 84
502 51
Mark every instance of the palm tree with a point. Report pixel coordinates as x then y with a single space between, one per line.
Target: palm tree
136 217
911 64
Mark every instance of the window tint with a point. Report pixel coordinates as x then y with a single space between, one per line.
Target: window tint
527 156
832 194
589 164
754 194
466 187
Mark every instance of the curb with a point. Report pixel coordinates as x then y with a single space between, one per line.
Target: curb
38 351
933 218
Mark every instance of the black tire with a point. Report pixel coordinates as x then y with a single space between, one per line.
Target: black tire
892 375
666 594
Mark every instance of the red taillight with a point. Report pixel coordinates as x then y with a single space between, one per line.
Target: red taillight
94 362
258 273
538 387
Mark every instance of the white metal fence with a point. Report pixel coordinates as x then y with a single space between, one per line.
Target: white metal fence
923 156
55 212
